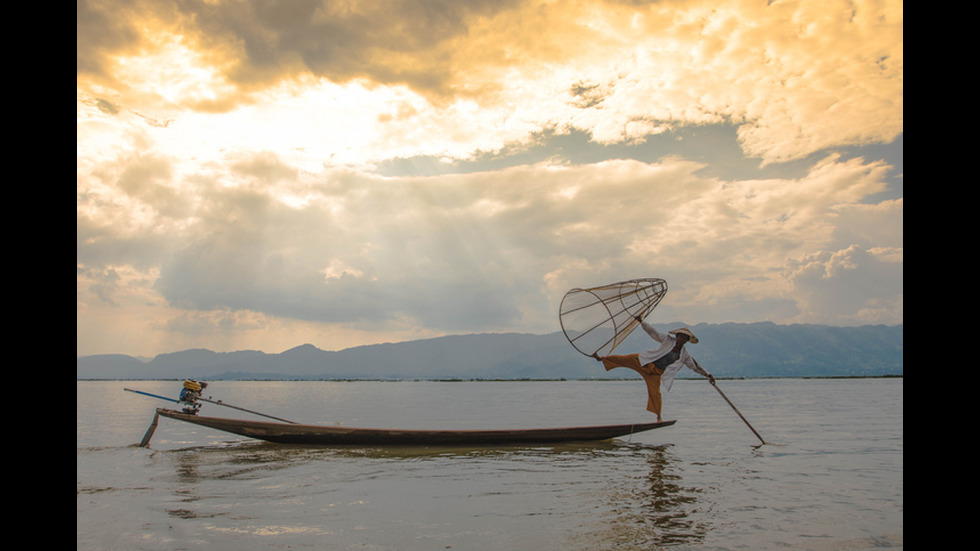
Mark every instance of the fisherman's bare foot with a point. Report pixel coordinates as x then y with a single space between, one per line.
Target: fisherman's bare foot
659 420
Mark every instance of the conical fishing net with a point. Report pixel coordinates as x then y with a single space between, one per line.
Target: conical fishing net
598 319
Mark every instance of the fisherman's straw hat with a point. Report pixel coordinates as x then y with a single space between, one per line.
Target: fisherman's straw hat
686 331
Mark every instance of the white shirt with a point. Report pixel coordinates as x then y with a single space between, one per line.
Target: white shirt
667 342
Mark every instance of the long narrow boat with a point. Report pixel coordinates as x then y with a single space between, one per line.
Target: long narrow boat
293 433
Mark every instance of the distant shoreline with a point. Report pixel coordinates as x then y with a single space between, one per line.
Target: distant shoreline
519 380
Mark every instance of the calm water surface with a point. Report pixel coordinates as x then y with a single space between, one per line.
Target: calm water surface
831 477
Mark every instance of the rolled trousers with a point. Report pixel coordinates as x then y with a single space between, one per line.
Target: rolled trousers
650 373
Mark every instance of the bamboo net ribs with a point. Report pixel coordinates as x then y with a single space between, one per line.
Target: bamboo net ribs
598 319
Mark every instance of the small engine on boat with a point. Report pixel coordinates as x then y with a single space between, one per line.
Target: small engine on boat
189 395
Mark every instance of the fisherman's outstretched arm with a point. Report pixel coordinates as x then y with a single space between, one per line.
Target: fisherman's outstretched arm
652 331
696 367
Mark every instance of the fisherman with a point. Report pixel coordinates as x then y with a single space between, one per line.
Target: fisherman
189 395
659 366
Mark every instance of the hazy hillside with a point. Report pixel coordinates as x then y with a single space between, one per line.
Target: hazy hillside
726 350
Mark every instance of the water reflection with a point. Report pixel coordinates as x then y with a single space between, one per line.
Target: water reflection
649 508
231 462
608 495
668 503
255 459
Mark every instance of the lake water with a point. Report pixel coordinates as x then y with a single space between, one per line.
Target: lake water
830 477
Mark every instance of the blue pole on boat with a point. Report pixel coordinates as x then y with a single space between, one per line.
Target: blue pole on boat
152 395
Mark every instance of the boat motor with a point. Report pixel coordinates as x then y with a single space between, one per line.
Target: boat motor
189 395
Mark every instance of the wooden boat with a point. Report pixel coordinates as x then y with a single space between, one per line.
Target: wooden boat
294 433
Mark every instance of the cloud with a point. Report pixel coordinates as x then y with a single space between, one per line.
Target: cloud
470 252
850 285
374 170
802 77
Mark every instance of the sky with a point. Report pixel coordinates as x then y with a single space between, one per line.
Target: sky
258 175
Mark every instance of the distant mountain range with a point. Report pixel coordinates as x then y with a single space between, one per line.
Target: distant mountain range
726 350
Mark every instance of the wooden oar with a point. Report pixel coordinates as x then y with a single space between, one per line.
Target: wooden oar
735 408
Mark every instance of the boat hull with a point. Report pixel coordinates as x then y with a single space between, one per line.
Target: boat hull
287 433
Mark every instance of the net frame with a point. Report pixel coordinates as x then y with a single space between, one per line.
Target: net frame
596 320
